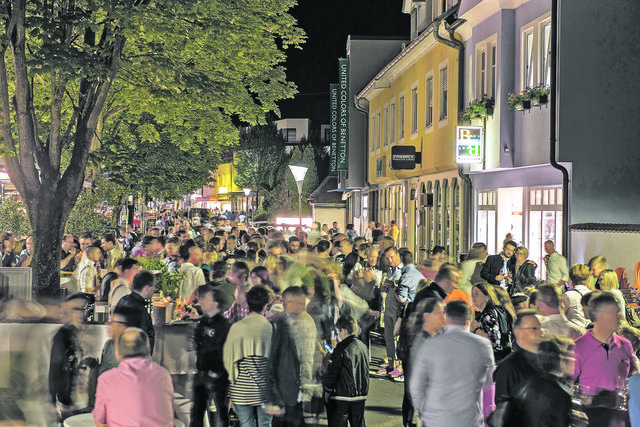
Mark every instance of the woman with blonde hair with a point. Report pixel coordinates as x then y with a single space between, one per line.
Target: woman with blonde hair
579 276
608 281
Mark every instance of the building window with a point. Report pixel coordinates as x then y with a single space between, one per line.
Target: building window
414 23
392 126
492 75
487 58
372 135
289 134
385 129
401 117
429 101
414 110
443 92
378 131
381 167
545 57
528 59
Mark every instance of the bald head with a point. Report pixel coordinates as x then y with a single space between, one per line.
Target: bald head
133 342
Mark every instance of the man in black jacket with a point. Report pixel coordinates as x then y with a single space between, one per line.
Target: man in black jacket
346 382
212 380
142 289
494 268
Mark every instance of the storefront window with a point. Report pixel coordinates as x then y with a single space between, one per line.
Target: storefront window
487 220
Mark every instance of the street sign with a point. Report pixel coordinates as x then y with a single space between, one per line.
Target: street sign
403 157
469 144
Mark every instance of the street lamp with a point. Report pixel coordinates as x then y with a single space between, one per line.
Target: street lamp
298 174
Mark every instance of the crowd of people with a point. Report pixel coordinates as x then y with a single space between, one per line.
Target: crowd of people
285 318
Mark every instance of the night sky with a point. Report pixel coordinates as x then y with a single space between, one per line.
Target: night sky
327 24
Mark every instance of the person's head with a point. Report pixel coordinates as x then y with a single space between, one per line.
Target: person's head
73 309
555 355
195 255
457 313
144 284
127 268
605 312
372 255
294 245
93 253
448 277
86 240
430 315
257 299
154 231
346 326
219 270
533 300
549 247
509 248
372 225
108 241
438 253
322 248
522 254
579 274
294 301
122 318
172 246
608 280
392 256
211 300
239 273
385 242
483 295
335 224
596 265
527 330
548 300
274 247
232 242
584 302
183 236
260 276
67 242
376 235
132 342
29 243
346 246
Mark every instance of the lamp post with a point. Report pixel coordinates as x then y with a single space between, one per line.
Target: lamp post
298 174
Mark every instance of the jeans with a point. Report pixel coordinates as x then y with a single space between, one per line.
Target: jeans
252 416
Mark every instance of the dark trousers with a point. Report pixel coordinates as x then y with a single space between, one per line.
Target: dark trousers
389 339
293 417
339 412
407 405
205 389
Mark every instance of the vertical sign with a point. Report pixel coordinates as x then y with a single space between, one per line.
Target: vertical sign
333 128
468 144
343 116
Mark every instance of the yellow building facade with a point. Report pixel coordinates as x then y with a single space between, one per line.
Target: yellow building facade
413 101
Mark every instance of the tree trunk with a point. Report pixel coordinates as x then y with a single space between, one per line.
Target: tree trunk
48 215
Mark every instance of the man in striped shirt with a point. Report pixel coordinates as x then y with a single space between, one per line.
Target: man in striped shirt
246 356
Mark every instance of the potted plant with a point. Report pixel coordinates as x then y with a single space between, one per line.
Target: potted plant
519 100
477 109
167 284
464 118
539 94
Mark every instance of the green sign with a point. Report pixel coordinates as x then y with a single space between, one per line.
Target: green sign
343 114
468 144
333 128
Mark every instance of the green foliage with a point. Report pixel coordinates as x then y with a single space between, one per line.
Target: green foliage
166 283
260 155
149 163
89 213
13 217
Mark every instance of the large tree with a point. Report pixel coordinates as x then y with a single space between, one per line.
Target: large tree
191 64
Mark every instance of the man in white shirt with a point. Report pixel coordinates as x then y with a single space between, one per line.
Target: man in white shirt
556 265
194 277
450 371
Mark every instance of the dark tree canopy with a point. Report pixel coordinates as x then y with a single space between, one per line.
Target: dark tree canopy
74 70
